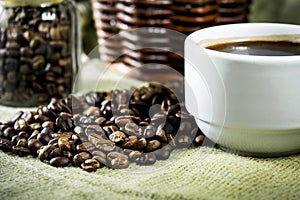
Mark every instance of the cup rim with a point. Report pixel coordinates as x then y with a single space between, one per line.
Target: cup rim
232 56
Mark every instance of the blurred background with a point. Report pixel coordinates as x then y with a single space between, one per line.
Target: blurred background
283 11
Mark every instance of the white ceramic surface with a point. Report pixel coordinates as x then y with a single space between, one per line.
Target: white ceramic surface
245 103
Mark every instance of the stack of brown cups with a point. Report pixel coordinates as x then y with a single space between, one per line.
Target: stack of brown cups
233 11
189 16
104 13
154 31
149 43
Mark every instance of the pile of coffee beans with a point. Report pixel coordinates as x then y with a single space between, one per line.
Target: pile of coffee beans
99 129
35 54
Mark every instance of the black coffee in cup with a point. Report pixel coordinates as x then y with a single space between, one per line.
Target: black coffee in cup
258 48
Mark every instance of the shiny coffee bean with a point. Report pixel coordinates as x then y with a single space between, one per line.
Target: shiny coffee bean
146 159
6 145
60 161
20 150
100 156
153 145
64 143
34 144
90 165
117 137
79 158
86 146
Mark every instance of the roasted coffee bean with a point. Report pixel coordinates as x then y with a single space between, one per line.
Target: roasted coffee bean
141 144
35 126
100 121
68 154
15 139
60 161
146 159
62 135
100 156
44 151
153 145
163 153
92 111
34 134
199 140
55 153
114 154
20 150
9 132
79 158
131 142
118 160
34 144
64 143
22 142
6 145
90 165
161 134
23 134
44 138
134 155
133 129
110 129
20 125
48 124
94 129
117 137
149 131
79 130
86 146
65 123
122 120
183 141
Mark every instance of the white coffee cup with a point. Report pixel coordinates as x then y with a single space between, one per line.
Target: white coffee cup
245 103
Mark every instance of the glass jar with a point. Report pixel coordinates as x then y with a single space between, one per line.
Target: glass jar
39 50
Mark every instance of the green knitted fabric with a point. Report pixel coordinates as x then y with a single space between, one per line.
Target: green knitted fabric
196 173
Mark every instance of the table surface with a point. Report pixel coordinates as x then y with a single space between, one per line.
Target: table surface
194 173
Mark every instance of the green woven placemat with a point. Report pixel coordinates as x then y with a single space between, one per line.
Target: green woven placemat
197 173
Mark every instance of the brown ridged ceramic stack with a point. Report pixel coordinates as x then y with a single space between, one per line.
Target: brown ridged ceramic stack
233 11
189 16
147 44
104 13
159 45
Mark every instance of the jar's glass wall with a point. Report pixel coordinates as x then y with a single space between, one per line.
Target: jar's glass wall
39 49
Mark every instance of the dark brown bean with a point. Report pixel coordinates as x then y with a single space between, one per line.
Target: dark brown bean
34 144
146 159
100 156
20 150
79 158
60 161
153 145
6 145
86 146
131 142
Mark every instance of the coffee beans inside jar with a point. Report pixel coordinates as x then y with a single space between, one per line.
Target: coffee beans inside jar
39 49
97 129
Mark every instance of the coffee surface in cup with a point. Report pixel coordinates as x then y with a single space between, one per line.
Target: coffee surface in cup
259 48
